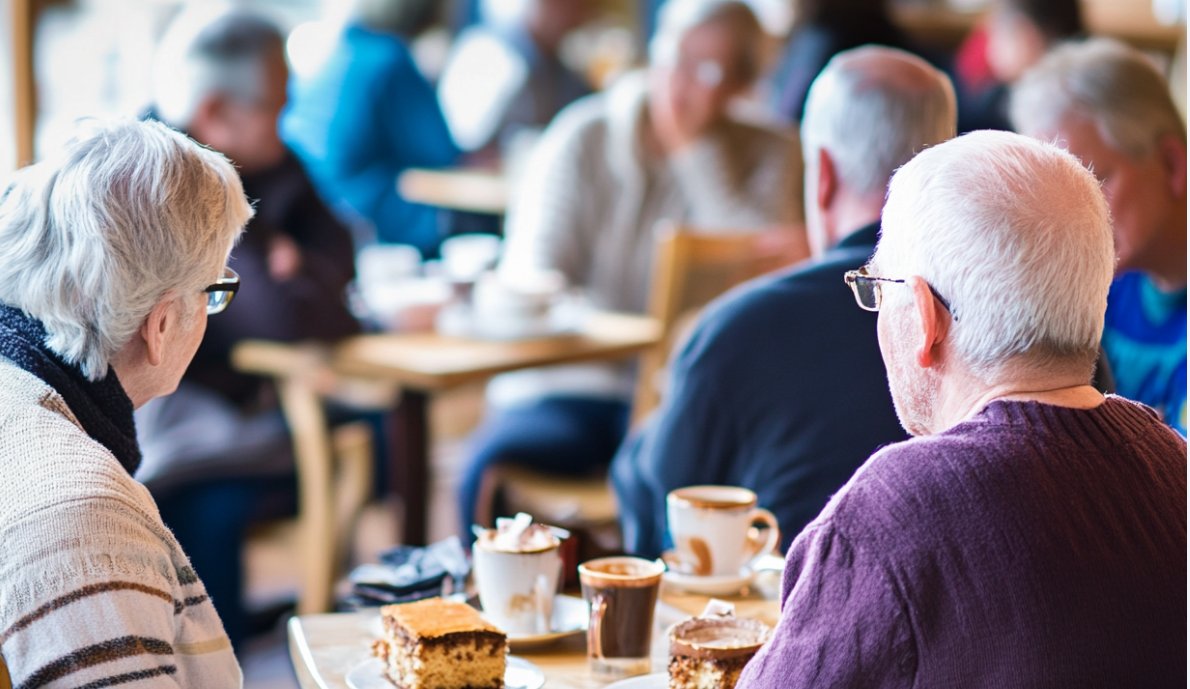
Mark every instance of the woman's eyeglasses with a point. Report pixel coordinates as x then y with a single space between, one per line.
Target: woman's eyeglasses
219 295
867 290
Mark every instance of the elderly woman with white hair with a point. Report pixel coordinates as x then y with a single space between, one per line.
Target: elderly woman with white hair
114 254
658 145
1034 533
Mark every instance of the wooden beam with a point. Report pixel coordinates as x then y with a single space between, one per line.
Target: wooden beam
25 97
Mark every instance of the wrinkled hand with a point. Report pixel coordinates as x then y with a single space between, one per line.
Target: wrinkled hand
285 258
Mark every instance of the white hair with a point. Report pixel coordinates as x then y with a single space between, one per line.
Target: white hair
94 236
211 51
1015 234
1106 82
870 123
679 17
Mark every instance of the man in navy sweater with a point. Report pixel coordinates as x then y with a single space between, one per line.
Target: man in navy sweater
781 388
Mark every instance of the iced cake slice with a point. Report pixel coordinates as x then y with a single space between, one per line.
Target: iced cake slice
436 644
710 653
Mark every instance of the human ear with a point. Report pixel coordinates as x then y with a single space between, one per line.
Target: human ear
159 321
827 186
1173 158
931 322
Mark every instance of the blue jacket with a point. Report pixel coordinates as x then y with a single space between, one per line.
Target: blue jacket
780 389
363 119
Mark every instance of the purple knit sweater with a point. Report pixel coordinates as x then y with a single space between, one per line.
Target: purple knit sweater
1030 546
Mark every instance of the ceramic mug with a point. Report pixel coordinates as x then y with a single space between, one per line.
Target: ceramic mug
713 529
516 589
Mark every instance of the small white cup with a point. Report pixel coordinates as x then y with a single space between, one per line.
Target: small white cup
712 529
516 589
466 256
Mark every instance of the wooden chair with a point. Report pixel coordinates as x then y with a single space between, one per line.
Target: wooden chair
690 268
334 466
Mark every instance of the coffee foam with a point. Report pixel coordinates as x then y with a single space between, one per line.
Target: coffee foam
518 535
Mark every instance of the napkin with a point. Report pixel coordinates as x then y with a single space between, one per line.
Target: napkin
408 573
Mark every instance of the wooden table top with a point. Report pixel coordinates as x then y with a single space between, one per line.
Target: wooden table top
429 361
324 648
475 190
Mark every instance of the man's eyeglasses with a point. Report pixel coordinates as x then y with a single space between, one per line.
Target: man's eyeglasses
219 294
867 290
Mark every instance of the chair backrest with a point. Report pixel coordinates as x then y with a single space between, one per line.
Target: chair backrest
690 269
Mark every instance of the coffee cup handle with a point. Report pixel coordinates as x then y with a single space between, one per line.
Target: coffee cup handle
756 547
594 628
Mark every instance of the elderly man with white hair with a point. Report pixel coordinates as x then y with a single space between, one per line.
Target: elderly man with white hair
658 145
767 392
114 255
1112 108
1033 534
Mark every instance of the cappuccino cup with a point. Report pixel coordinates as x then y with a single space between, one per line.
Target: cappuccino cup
714 529
517 578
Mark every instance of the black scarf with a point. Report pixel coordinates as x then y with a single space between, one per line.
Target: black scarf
102 407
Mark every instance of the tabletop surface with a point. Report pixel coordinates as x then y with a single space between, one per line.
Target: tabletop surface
431 361
324 648
466 189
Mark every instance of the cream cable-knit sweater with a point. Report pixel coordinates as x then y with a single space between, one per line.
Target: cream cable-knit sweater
94 590
590 201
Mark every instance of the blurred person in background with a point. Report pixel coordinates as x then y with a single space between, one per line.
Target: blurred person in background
1111 107
115 253
365 117
1014 37
656 146
785 362
217 452
505 75
822 29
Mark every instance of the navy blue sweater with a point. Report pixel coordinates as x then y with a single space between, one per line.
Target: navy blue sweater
780 389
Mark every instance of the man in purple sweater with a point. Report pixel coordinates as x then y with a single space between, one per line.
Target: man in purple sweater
1033 534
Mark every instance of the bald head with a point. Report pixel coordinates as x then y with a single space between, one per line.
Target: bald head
872 109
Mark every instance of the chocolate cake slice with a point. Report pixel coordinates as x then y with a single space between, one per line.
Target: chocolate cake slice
710 653
436 644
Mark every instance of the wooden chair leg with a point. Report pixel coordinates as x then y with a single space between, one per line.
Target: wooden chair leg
316 518
353 452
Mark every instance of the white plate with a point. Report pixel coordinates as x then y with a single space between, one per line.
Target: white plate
720 585
570 617
657 680
518 674
457 320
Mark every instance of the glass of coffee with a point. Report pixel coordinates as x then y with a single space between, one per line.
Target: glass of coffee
622 592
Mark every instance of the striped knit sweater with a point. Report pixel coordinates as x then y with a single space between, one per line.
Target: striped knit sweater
94 590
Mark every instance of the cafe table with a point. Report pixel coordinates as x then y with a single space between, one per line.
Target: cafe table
425 363
465 189
325 647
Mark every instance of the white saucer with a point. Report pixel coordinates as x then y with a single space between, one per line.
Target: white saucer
518 674
570 617
717 585
657 680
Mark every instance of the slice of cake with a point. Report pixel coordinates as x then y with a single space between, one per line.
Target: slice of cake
710 653
436 644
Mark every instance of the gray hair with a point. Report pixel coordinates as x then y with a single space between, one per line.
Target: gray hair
94 236
678 17
1106 82
873 123
1015 234
200 56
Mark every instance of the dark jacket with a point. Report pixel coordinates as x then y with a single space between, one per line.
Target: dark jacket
311 305
781 389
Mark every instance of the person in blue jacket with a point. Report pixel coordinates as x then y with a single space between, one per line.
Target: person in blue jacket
365 117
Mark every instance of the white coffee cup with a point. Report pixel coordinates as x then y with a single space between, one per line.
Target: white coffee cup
713 532
516 589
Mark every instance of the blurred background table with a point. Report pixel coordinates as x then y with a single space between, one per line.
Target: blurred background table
462 189
423 363
324 648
